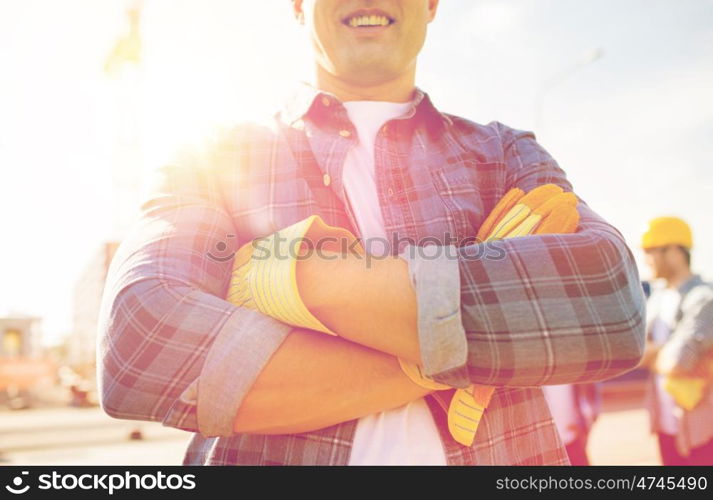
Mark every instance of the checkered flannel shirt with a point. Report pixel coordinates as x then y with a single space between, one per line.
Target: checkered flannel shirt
545 309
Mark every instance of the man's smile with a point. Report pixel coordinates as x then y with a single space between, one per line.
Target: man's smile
368 21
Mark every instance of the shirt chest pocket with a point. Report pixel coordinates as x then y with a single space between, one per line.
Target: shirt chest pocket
462 200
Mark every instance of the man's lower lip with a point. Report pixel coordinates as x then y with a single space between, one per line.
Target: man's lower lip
367 30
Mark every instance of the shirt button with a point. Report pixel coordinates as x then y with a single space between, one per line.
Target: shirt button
345 133
325 101
327 179
390 192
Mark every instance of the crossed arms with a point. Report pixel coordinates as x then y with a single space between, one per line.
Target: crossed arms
555 309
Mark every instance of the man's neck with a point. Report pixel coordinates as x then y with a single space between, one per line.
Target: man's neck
679 279
400 89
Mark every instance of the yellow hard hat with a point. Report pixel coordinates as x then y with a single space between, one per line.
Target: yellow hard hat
663 231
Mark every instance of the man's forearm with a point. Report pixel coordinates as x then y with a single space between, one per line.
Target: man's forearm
370 302
315 380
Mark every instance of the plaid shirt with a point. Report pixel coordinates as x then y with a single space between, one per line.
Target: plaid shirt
547 309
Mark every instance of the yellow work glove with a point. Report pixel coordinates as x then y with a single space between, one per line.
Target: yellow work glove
264 275
688 390
545 209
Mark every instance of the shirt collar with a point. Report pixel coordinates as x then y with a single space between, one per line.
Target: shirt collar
690 283
306 99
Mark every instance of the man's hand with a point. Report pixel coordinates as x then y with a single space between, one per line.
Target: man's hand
657 363
666 366
370 302
650 354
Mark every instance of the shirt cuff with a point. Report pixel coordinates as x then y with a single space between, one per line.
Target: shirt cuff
239 353
435 276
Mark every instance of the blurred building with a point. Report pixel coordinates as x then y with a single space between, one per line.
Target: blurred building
81 344
23 366
21 336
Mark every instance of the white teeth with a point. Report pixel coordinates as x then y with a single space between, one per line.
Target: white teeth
368 21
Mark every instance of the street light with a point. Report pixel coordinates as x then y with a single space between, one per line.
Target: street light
587 58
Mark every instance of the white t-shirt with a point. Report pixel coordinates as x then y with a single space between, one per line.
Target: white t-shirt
660 331
406 435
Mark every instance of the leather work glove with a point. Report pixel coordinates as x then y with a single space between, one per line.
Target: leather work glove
544 210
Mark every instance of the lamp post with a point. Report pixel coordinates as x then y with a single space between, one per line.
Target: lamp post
586 59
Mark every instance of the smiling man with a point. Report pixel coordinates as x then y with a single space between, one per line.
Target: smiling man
366 150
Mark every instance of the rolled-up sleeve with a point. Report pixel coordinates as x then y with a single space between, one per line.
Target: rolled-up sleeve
435 278
541 309
692 340
170 348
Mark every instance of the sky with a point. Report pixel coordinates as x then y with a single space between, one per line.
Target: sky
633 129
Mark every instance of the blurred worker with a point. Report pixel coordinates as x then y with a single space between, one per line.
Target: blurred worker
679 346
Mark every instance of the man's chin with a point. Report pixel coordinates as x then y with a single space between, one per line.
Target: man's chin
367 74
